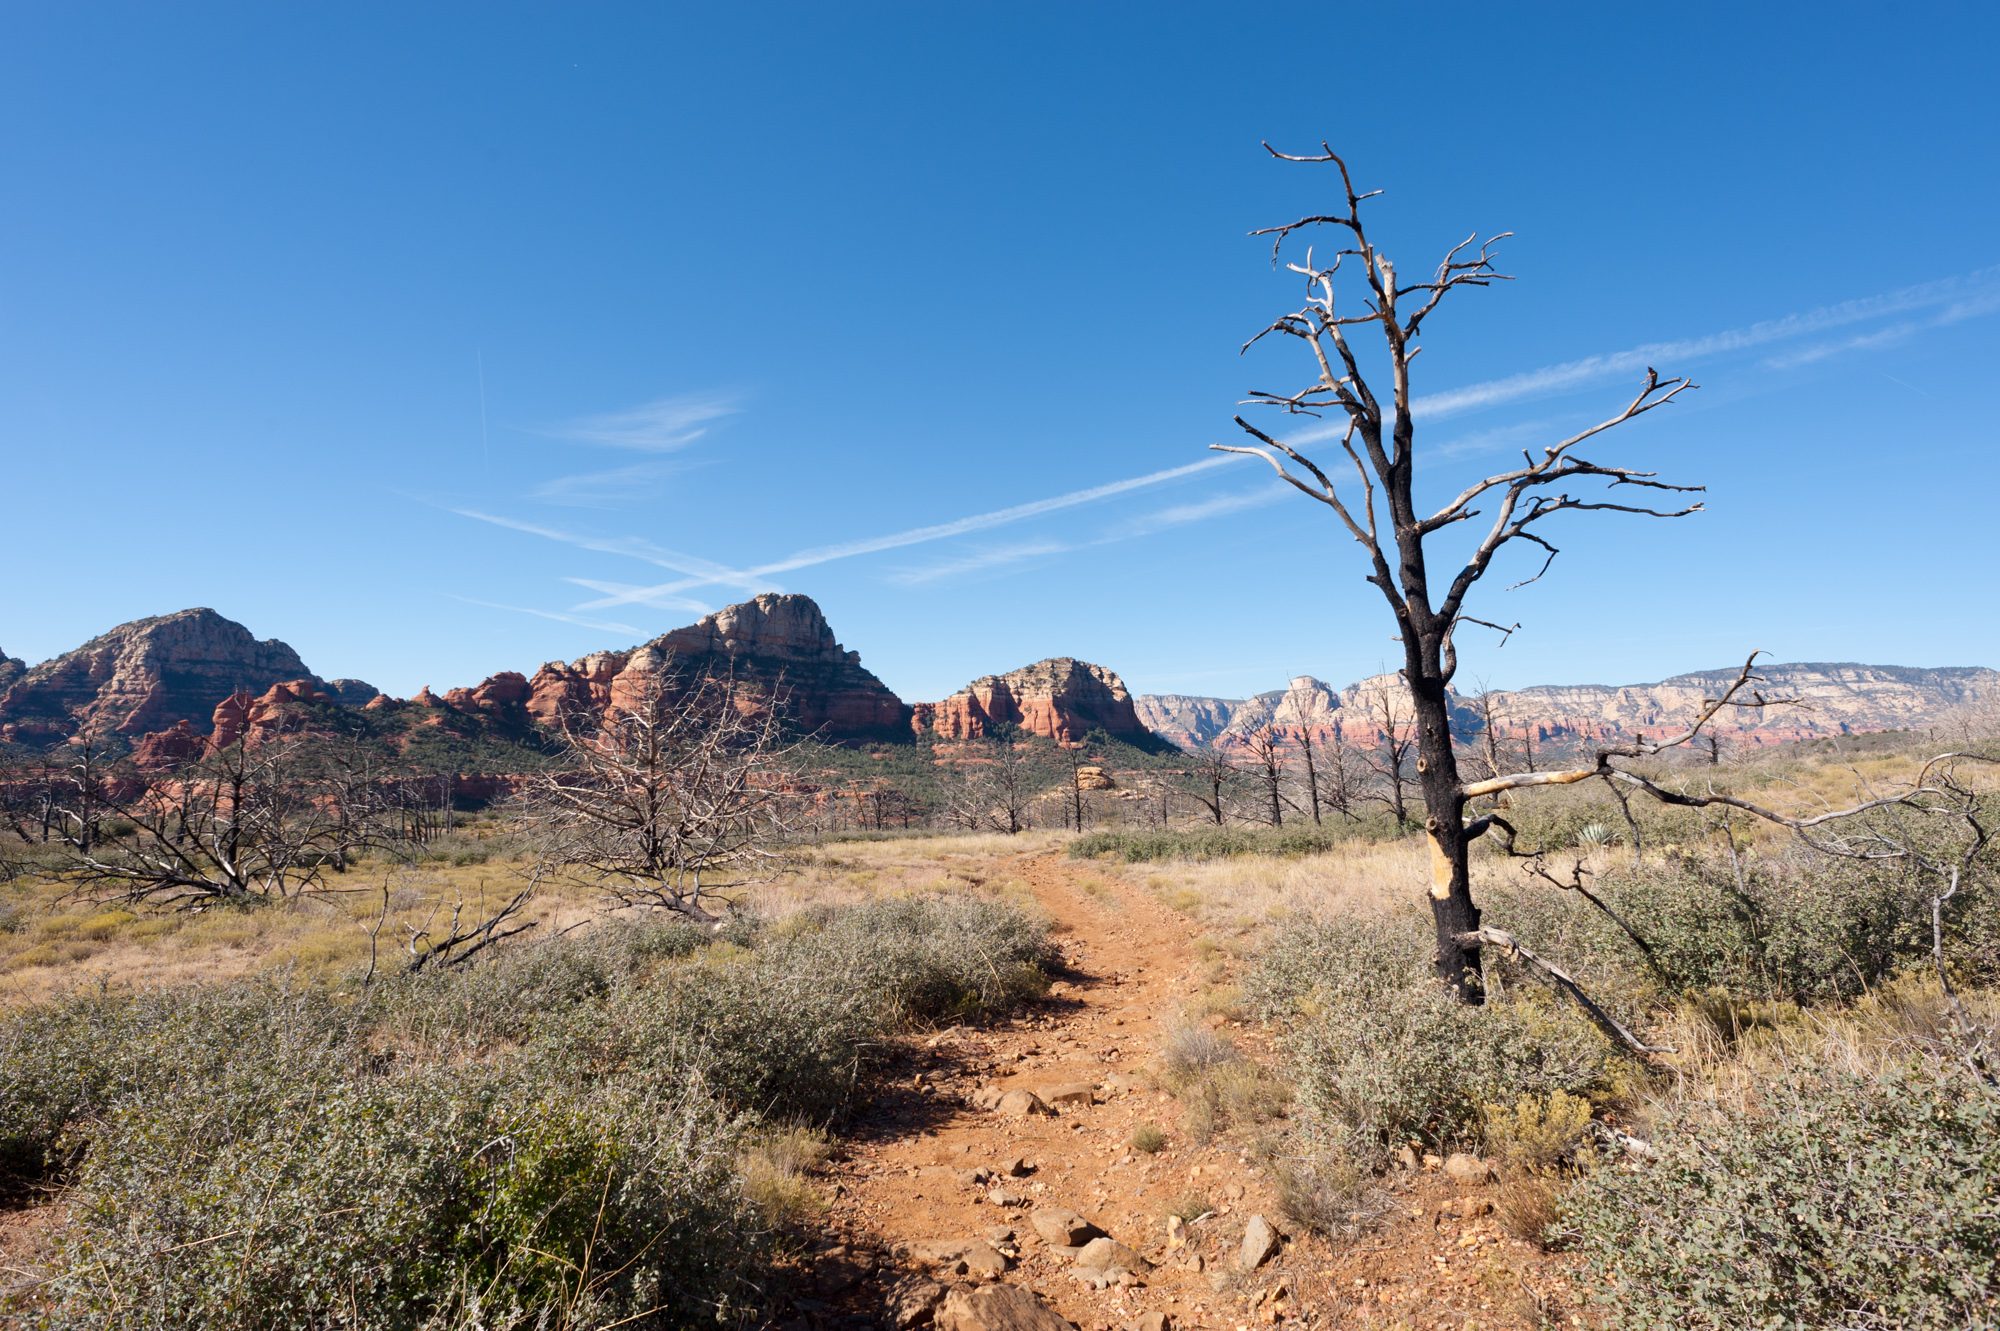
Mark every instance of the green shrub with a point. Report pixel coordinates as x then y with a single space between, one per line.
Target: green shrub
1381 1053
786 1028
928 959
64 1063
442 1196
1835 1200
1799 926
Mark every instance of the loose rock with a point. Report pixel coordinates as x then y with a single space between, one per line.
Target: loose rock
1466 1169
1022 1104
998 1308
1260 1244
1063 1228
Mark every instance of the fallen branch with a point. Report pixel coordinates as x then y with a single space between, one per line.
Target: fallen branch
1605 1022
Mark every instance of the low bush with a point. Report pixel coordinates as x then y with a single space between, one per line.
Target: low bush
1382 1054
435 1197
1832 1199
1150 845
554 1138
1797 925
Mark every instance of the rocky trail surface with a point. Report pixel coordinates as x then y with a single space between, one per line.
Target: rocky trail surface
996 1185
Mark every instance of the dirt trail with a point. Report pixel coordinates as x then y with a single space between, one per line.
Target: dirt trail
910 1210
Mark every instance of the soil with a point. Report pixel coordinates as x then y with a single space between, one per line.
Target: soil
905 1195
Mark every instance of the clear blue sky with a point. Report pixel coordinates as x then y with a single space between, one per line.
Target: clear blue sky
419 335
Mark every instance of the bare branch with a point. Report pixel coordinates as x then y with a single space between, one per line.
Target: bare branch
1514 949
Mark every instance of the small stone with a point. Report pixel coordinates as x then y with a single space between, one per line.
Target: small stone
1260 1244
1022 1104
998 1308
1108 1254
1467 1170
1070 1093
1063 1228
1017 1168
1176 1231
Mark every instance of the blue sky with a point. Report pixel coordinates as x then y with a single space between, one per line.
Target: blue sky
438 340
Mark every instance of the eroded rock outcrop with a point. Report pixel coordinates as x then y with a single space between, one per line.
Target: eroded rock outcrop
144 676
1060 698
778 650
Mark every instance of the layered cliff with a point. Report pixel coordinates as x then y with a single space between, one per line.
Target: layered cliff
148 675
1832 699
777 650
1186 720
1060 698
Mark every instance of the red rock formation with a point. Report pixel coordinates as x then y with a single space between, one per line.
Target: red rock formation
165 750
257 720
502 697
1061 699
143 676
778 651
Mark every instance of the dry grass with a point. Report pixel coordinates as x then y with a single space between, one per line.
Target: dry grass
53 941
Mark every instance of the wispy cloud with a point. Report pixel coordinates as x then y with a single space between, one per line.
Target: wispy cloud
638 595
614 487
608 625
704 572
1180 515
939 531
659 426
1972 307
1963 297
1145 524
980 561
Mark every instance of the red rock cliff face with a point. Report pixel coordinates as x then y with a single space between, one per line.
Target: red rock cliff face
1060 698
143 676
778 649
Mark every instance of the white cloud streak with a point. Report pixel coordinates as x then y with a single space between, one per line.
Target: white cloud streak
608 625
659 426
1964 296
703 572
980 561
614 487
1001 517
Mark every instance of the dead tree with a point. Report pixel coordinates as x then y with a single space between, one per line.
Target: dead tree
1074 755
1313 805
1210 782
1389 758
1267 754
241 826
995 789
1378 508
670 802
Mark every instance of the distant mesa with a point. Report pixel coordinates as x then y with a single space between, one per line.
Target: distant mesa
148 675
1834 699
1061 698
777 650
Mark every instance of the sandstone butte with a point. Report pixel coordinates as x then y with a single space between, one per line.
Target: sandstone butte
148 675
777 649
1061 698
